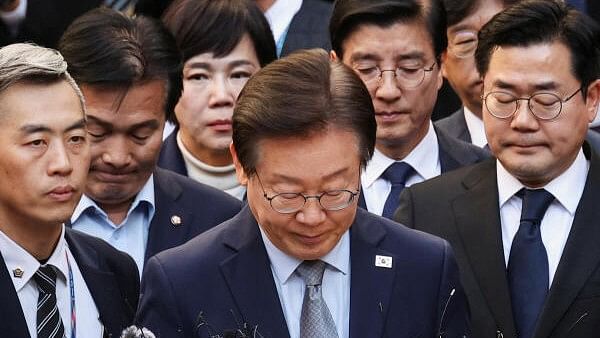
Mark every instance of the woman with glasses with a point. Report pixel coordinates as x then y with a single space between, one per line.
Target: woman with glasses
223 43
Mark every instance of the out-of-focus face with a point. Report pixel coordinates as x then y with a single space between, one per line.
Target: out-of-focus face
44 154
532 150
321 162
402 113
210 88
125 129
458 61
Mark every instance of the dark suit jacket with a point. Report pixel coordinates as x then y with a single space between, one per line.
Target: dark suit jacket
46 21
309 28
170 156
110 275
225 274
467 215
453 154
455 125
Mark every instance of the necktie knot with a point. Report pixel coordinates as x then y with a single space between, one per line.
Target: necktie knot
311 272
535 204
398 173
45 278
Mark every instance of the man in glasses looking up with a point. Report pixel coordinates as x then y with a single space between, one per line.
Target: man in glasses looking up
301 259
525 226
395 46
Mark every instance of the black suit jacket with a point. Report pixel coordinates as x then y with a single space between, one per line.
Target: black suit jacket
453 154
110 275
46 20
455 125
309 28
466 213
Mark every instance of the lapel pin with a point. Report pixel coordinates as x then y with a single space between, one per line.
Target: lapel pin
175 220
383 261
18 273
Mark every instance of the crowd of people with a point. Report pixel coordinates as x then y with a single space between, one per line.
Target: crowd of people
239 168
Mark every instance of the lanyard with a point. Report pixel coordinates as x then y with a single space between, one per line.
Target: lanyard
72 290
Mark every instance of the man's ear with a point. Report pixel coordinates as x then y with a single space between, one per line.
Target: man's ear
333 56
443 65
592 99
239 170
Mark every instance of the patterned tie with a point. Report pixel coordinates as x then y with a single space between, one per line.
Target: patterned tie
49 323
315 320
528 263
396 174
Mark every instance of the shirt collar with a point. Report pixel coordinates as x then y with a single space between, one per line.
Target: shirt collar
284 265
567 188
16 257
280 15
475 127
145 195
424 158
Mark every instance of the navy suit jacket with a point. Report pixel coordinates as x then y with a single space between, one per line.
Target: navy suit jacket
223 277
110 275
453 154
467 214
170 156
309 28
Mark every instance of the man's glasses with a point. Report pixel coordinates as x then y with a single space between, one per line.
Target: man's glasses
291 202
463 44
544 106
406 77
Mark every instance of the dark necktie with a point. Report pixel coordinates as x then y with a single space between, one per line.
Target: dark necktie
396 174
315 320
528 263
49 323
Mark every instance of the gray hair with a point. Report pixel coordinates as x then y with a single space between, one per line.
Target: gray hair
22 62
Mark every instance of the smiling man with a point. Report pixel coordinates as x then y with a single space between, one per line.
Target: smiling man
302 260
130 74
54 281
525 226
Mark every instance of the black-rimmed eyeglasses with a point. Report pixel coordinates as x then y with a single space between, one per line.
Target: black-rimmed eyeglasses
291 202
544 106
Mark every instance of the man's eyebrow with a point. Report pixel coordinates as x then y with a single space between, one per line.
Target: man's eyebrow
102 123
362 56
42 128
152 124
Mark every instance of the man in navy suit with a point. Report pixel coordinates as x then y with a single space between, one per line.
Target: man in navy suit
54 281
301 260
130 74
527 274
395 47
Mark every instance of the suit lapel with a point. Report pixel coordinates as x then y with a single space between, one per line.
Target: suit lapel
249 276
448 160
371 286
482 240
13 322
581 255
103 287
164 232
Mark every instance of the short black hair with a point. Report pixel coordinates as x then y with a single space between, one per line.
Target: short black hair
348 15
208 26
544 21
300 95
458 10
108 49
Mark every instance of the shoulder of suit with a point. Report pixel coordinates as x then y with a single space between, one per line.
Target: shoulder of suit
464 152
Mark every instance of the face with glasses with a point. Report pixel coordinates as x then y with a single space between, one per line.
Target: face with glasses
534 113
211 86
305 199
458 62
397 64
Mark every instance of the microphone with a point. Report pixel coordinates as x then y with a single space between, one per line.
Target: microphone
136 332
441 333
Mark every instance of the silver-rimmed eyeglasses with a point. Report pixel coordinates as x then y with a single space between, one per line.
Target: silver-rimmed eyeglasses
291 202
544 106
406 77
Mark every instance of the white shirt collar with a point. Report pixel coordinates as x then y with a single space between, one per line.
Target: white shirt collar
280 15
424 158
284 265
144 195
567 188
476 128
16 257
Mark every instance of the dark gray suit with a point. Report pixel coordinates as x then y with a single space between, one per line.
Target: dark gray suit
310 27
466 213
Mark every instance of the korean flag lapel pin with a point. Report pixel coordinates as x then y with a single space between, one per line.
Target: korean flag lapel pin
383 261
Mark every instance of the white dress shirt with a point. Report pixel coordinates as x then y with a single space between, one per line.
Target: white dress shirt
335 284
131 236
556 224
15 257
476 128
279 16
424 158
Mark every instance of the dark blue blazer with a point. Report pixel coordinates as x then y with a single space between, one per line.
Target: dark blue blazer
170 156
309 28
223 277
453 154
110 275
